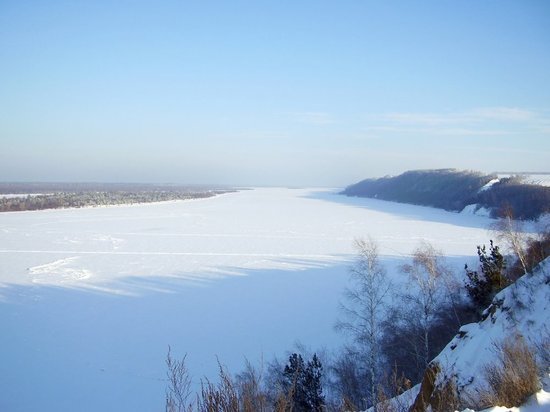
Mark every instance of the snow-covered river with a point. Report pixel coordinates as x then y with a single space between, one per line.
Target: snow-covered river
91 298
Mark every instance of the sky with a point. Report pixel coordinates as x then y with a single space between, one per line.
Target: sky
292 93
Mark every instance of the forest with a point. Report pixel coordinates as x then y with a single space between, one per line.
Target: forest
453 190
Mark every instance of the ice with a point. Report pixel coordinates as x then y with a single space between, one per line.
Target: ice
91 298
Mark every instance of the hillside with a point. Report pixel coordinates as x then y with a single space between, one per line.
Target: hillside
520 312
527 200
454 190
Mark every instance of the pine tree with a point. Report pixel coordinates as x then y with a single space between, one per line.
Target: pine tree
312 384
483 287
303 383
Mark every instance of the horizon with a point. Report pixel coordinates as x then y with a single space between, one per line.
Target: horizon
245 186
313 94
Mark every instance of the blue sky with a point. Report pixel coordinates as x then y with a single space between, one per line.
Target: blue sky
271 93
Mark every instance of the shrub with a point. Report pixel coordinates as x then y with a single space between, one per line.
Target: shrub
513 378
221 397
446 397
482 287
178 388
252 398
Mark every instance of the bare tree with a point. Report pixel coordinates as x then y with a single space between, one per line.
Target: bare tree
429 279
348 378
365 307
511 233
179 385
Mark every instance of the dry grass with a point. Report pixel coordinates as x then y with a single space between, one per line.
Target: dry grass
178 390
513 378
446 398
222 397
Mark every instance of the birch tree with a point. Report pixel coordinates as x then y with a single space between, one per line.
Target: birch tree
511 232
430 280
364 308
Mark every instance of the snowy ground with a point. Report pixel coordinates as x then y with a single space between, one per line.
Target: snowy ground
91 298
13 196
535 179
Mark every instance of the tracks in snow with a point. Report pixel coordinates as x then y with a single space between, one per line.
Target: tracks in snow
137 253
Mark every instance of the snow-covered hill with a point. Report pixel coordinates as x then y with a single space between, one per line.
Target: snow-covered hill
520 311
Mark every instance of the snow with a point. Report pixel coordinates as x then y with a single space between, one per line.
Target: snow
536 403
11 196
541 179
489 184
20 195
91 298
475 209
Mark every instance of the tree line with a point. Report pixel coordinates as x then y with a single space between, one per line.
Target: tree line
87 199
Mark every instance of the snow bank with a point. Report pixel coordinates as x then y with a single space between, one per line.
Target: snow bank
475 209
489 184
536 403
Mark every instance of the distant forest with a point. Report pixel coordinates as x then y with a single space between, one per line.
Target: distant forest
39 196
453 190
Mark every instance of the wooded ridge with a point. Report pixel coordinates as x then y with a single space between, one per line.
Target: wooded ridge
453 190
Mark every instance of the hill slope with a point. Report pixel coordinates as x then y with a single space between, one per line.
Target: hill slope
453 190
520 311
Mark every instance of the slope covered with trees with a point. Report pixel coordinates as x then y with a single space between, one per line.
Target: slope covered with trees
446 188
524 200
453 190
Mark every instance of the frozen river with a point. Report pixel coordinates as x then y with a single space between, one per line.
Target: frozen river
91 298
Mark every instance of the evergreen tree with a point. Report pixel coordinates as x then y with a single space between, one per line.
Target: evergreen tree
482 287
303 383
312 384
